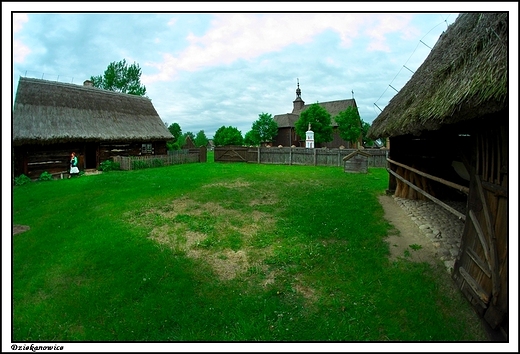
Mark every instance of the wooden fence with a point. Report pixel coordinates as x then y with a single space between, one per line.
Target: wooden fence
295 156
173 158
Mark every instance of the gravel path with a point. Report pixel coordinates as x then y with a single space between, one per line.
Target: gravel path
441 227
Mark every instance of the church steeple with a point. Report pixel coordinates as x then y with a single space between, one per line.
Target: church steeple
298 103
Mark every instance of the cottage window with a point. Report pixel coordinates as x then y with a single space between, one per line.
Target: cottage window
147 149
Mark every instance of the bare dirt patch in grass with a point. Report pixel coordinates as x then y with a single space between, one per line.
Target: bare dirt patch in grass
18 229
227 263
238 183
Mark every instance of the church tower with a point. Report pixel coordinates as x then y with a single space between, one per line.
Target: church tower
298 103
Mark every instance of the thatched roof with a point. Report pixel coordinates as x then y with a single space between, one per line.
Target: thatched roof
464 77
47 112
333 107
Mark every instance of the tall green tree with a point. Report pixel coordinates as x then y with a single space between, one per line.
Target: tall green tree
349 124
263 130
250 138
320 122
228 136
364 133
121 77
191 135
201 139
176 131
178 140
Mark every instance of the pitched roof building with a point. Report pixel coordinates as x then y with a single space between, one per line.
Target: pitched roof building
52 119
286 133
449 138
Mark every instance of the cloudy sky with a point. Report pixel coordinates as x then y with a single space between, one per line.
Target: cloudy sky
204 70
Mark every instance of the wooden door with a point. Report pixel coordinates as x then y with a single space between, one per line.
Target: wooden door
481 270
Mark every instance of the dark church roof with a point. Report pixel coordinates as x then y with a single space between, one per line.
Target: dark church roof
333 107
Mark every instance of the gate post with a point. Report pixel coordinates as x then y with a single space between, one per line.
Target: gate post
203 154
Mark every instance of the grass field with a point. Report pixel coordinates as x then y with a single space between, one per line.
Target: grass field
222 252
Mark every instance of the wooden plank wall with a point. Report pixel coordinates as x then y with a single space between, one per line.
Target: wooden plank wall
295 156
172 158
481 270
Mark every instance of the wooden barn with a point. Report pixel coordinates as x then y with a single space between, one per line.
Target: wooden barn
53 119
448 130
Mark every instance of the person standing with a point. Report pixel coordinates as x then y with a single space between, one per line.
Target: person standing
73 165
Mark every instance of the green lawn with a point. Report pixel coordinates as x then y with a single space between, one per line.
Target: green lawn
222 252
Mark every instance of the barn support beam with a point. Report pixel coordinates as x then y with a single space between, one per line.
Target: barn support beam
434 178
429 196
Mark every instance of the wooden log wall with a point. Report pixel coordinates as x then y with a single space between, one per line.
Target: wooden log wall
33 160
109 150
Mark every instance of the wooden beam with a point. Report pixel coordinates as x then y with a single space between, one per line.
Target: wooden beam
493 260
483 296
478 261
434 178
429 196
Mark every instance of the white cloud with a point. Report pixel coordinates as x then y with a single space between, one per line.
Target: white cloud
232 37
18 21
20 50
388 24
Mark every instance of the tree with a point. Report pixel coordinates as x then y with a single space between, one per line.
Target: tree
250 138
176 131
228 136
121 77
200 139
175 143
189 134
364 131
349 124
263 130
320 122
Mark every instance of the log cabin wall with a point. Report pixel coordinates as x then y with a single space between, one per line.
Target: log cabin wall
33 160
109 150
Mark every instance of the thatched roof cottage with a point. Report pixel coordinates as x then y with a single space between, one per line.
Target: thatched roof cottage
286 133
448 129
52 119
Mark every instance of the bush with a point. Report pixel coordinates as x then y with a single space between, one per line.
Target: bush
21 180
157 163
45 176
109 165
138 164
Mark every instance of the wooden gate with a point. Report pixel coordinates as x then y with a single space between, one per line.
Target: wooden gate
481 270
230 154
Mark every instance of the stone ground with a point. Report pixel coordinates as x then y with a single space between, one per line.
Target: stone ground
427 231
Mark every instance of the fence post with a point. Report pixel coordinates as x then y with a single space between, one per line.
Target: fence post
203 154
315 162
290 156
258 157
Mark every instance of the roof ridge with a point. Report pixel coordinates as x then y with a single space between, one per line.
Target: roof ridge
80 87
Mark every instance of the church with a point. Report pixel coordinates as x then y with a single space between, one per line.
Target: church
286 132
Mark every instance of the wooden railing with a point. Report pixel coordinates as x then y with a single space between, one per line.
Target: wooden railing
423 192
